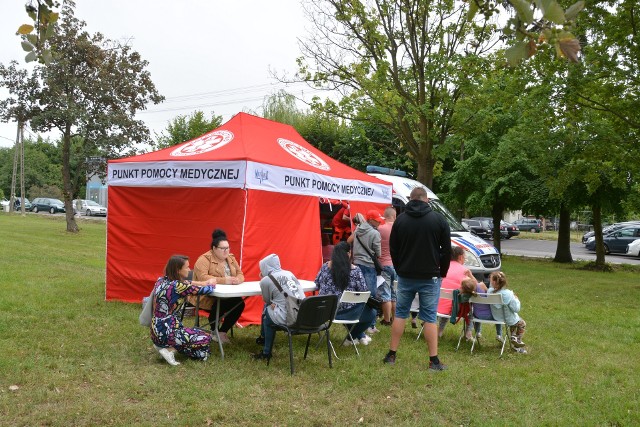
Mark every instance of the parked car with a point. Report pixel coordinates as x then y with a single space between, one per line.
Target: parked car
503 230
46 204
633 248
617 241
528 224
89 207
16 204
608 229
511 229
3 203
480 228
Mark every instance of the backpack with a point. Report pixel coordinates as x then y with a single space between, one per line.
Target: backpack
147 309
292 303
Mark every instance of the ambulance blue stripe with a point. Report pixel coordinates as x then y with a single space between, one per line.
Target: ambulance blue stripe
469 245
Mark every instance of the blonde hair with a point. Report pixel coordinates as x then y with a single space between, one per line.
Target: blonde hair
468 286
498 280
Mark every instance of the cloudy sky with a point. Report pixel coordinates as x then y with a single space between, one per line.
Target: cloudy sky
209 55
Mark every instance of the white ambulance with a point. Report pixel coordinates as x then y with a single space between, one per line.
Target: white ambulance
481 257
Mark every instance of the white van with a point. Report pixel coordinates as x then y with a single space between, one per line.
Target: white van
480 257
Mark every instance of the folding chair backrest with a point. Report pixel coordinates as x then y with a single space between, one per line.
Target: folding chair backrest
352 297
315 311
488 299
446 294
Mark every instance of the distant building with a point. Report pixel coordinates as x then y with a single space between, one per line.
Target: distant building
97 191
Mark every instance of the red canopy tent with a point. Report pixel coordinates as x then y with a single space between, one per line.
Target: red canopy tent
258 180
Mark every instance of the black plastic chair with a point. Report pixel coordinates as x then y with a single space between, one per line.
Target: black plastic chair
316 315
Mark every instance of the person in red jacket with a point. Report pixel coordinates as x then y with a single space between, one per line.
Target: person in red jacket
341 224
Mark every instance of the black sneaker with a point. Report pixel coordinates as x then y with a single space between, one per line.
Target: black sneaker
261 356
436 366
389 359
260 340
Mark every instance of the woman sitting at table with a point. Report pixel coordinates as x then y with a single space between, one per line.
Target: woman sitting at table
339 275
222 266
167 331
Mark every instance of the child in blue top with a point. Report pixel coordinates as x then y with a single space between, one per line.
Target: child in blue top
508 312
480 311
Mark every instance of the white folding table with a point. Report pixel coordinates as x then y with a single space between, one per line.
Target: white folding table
243 290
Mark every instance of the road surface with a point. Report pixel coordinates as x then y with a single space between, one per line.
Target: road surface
547 249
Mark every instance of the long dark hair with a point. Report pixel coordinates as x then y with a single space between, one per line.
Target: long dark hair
174 265
341 265
217 236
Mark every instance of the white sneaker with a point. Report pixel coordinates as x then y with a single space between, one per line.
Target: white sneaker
365 340
499 338
348 343
373 330
167 355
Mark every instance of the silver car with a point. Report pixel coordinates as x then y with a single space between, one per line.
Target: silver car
90 208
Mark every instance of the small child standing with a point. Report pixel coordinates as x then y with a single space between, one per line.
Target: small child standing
508 312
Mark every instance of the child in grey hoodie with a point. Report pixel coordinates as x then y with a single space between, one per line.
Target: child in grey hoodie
274 311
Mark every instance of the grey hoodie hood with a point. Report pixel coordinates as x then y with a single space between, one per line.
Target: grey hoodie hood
364 228
269 264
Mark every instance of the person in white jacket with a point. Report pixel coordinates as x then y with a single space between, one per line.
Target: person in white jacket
508 312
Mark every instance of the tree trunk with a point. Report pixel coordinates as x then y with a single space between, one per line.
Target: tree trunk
496 214
67 192
563 248
597 229
425 171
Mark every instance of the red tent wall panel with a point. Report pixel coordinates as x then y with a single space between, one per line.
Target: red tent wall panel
147 225
287 225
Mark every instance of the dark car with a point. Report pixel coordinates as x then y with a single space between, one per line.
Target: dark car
46 204
481 228
618 240
504 234
608 229
528 224
511 229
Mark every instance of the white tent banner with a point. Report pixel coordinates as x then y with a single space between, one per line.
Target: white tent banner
261 176
226 174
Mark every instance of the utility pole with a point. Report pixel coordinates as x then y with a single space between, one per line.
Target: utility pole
18 157
22 208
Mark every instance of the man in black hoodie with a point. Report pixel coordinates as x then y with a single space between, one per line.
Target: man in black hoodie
420 246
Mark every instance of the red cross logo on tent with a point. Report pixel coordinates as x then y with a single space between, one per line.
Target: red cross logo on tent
303 154
207 142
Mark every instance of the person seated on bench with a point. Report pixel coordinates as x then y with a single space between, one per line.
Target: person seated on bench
219 264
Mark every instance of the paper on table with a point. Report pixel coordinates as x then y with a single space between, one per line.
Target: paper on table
379 280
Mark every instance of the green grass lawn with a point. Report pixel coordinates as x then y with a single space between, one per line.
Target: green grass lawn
70 358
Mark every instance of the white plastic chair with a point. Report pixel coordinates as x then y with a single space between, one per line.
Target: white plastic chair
444 294
489 299
351 298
